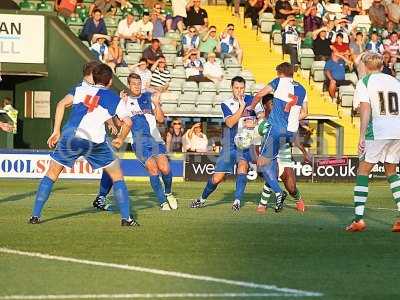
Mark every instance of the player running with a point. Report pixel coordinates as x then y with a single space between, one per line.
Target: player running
237 116
377 95
144 109
285 162
289 106
84 135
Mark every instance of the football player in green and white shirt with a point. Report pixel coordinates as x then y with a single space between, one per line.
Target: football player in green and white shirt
285 162
377 96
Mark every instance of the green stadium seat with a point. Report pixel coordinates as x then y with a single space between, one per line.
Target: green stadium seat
317 71
307 42
134 48
122 71
76 29
224 86
352 77
187 103
132 58
248 76
74 21
44 6
88 1
86 43
124 80
27 6
205 104
178 62
266 22
397 67
232 65
173 36
346 94
207 88
277 37
306 57
168 49
170 59
175 85
190 87
168 11
169 102
178 73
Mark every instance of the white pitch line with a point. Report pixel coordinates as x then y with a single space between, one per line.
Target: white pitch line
162 272
148 296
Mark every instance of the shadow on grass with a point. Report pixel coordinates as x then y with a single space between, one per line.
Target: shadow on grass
73 214
22 196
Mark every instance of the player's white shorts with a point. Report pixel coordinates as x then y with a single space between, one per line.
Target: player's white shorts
282 164
382 151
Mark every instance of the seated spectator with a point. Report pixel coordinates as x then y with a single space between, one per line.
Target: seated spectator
115 54
311 21
361 69
145 74
290 39
254 8
385 33
229 45
153 52
393 11
12 113
335 73
357 46
144 29
209 43
124 4
160 76
99 47
174 136
340 47
191 40
322 44
362 18
107 7
212 69
342 27
158 20
65 8
175 22
346 13
93 25
284 9
196 16
377 14
127 29
196 141
194 67
393 46
374 45
6 127
387 64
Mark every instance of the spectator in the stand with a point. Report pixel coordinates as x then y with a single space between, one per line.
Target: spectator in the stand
284 9
385 33
387 64
335 73
229 45
7 106
174 136
291 39
65 8
115 54
377 14
160 76
322 44
190 40
107 7
342 27
340 47
361 69
175 22
357 46
393 11
346 13
99 47
374 45
353 6
144 29
210 42
196 16
212 69
93 25
361 19
254 8
194 67
196 140
158 20
127 29
153 52
6 127
311 21
393 46
145 74
124 4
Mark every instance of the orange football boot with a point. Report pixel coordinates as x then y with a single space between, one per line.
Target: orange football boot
357 226
396 226
300 206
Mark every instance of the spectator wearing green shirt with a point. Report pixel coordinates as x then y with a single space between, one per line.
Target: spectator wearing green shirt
209 43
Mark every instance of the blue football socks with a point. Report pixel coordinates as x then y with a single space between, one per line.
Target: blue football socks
122 196
42 195
158 188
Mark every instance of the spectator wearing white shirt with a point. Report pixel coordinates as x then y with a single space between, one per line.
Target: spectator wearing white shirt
195 139
229 45
127 29
99 48
393 46
291 39
191 40
144 29
212 69
194 67
160 76
175 22
145 74
374 45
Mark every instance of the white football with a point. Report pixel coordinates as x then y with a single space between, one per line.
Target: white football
244 139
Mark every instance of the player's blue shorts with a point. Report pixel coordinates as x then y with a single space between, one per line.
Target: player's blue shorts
274 139
229 157
70 148
146 147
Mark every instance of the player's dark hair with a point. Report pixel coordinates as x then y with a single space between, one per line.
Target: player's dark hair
267 98
133 76
102 74
285 69
96 10
239 79
88 67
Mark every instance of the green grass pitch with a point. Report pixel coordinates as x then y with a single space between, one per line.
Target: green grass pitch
281 252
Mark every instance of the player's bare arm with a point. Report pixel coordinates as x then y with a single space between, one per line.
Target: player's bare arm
257 98
365 112
60 109
158 113
304 111
126 124
234 119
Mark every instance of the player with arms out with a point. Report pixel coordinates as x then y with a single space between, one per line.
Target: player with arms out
288 108
285 162
377 95
84 135
238 117
144 109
